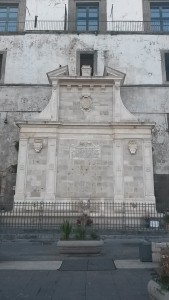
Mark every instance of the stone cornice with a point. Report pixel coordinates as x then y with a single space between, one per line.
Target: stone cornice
49 124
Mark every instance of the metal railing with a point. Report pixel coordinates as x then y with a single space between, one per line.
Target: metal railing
109 26
100 216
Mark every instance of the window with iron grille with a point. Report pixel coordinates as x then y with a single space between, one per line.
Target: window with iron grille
159 14
8 18
87 17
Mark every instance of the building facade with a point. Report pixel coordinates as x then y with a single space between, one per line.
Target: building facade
38 36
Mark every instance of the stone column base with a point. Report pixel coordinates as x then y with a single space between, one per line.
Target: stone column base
19 198
50 197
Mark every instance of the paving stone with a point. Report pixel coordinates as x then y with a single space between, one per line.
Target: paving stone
134 264
30 265
101 265
84 264
129 283
74 265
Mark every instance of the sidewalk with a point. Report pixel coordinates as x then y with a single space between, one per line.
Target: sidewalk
36 271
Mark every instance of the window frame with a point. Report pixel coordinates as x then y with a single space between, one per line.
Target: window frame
146 8
102 14
160 19
2 70
78 53
163 66
87 17
21 12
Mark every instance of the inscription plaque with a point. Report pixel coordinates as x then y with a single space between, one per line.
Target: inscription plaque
85 152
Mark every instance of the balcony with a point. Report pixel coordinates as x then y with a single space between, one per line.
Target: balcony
69 27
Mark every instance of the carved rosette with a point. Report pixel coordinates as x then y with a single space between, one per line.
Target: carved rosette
38 145
132 145
86 102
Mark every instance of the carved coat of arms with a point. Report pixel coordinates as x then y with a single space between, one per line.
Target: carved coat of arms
38 145
132 145
86 102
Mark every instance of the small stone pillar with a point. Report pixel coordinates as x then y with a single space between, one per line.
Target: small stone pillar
86 71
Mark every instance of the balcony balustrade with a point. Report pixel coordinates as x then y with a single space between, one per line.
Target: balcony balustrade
64 26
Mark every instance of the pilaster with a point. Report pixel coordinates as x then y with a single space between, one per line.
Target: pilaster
51 170
21 171
118 171
148 172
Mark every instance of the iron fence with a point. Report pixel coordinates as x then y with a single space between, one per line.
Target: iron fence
96 215
109 26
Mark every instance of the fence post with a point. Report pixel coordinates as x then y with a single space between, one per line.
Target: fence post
36 22
65 19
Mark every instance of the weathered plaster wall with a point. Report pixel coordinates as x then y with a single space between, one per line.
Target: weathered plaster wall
130 10
122 10
17 103
151 104
30 57
49 10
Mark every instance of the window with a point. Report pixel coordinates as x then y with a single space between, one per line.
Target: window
156 15
1 56
87 58
166 57
12 15
8 18
159 14
87 17
165 65
2 65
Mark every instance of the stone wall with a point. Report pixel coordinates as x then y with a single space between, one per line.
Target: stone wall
36 170
133 172
22 102
85 167
101 104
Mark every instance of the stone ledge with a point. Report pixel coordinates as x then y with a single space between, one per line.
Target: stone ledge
156 247
80 247
156 250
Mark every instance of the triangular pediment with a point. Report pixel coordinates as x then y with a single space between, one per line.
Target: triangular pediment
60 72
114 74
